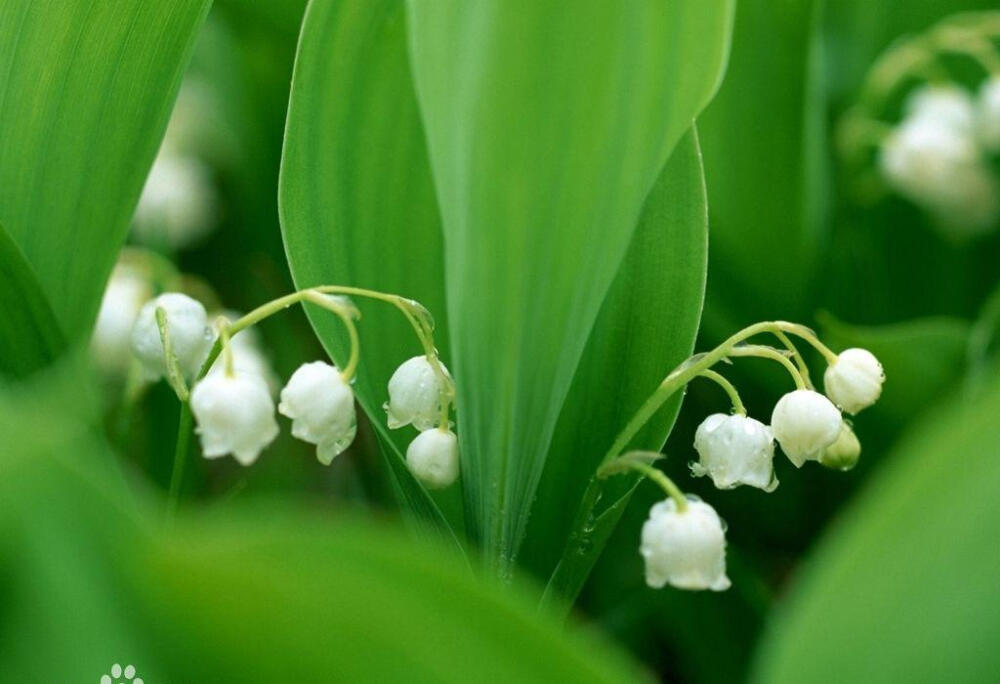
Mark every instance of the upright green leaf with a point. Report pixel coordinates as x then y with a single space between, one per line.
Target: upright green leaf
30 337
903 589
763 138
547 126
356 200
646 326
85 92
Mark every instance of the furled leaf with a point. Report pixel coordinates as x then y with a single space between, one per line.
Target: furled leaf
87 89
547 126
30 336
903 589
646 327
356 200
762 138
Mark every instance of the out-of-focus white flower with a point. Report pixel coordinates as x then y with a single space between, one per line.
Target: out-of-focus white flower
178 203
686 549
190 336
321 406
235 415
804 423
948 105
854 381
433 457
735 450
415 395
988 114
843 454
934 159
248 355
128 289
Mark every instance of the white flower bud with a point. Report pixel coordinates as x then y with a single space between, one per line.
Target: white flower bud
128 289
804 423
988 114
235 415
415 395
843 454
948 105
433 457
686 549
190 336
177 205
321 406
854 381
735 450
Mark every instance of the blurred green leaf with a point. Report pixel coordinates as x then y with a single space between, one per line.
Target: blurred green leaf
546 129
646 327
86 94
922 359
763 138
357 202
266 593
30 337
903 589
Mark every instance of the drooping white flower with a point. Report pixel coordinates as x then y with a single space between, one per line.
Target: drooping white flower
190 336
235 415
177 205
433 457
735 450
804 423
686 549
415 395
321 406
948 105
128 289
843 454
854 381
988 114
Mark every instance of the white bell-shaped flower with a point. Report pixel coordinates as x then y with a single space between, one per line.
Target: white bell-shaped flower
433 457
988 114
735 450
686 549
804 423
415 395
844 453
177 205
948 105
128 289
854 381
321 406
235 415
190 336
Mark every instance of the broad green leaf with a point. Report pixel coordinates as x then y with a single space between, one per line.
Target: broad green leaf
762 138
356 201
546 129
266 593
646 327
922 359
30 337
85 95
903 589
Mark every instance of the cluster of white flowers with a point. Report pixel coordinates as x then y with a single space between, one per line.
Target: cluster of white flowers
685 545
938 156
233 403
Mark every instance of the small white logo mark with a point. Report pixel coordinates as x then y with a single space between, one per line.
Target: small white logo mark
128 674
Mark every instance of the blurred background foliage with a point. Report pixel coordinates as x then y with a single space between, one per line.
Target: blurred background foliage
885 573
